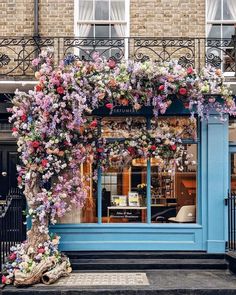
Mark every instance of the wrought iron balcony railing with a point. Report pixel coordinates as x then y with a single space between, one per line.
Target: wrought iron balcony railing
17 53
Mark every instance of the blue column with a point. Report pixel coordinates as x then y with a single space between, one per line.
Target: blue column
217 183
148 199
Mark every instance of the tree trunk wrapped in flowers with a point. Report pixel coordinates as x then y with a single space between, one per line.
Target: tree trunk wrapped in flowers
55 137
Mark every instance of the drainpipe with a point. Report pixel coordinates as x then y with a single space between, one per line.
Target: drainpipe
36 18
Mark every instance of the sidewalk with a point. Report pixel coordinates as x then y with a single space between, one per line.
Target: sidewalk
160 282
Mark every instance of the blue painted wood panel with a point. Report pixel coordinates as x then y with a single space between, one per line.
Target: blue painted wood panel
208 234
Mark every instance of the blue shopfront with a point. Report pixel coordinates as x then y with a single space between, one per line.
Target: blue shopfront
147 206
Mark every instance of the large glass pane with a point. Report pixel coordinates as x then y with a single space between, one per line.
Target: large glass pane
232 130
117 10
101 9
124 194
214 31
233 173
229 9
214 9
181 127
86 10
174 192
228 31
87 214
122 127
102 31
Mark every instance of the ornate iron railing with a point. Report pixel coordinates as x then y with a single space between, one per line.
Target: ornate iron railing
17 53
12 223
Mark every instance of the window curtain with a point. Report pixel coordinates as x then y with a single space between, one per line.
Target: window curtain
232 8
85 13
118 13
212 6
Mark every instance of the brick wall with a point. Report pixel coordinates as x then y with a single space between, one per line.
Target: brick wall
16 17
56 17
147 18
165 18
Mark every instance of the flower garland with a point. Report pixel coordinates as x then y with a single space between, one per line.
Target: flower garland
55 136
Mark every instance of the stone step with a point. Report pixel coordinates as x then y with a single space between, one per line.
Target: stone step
147 264
142 255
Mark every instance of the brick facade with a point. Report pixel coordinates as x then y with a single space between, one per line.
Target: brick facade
167 18
163 18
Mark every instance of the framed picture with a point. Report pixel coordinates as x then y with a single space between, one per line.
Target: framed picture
134 199
118 200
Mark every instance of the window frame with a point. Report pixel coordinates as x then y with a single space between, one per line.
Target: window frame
221 22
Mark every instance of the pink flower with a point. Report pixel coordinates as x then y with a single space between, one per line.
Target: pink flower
111 63
183 91
173 147
14 129
23 118
93 124
38 88
35 144
161 88
41 250
44 162
4 280
189 71
109 106
12 256
60 90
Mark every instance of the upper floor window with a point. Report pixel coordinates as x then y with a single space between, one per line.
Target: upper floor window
221 18
102 18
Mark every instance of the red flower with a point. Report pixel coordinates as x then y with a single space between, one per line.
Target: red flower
23 118
153 147
173 147
100 150
4 280
35 144
60 90
44 162
161 88
109 106
38 88
14 129
93 124
183 91
19 179
131 150
186 105
41 250
111 64
12 256
189 71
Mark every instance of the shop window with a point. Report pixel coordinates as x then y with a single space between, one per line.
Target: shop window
122 201
174 192
232 130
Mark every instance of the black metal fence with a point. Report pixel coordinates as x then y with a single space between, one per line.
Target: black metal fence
12 223
17 53
231 202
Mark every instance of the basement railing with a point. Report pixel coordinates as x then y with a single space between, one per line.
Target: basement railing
17 53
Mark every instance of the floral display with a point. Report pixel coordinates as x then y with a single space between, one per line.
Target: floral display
56 132
23 258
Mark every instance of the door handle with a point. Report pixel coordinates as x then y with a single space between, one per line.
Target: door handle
4 173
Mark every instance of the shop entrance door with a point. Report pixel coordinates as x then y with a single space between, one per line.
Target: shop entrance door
8 174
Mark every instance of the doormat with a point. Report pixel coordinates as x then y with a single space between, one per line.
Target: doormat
104 279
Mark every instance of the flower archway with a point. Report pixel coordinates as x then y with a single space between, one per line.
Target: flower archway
55 135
